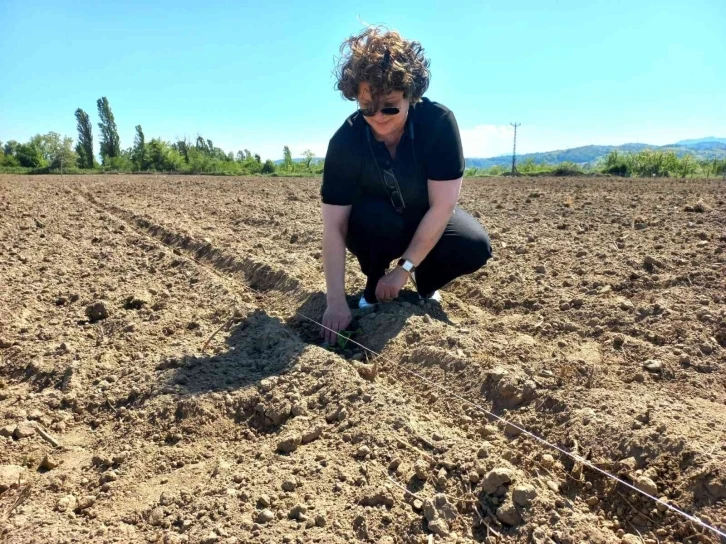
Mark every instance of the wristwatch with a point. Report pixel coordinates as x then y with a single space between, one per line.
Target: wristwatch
407 265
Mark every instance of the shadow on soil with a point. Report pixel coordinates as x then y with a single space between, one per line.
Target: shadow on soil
261 346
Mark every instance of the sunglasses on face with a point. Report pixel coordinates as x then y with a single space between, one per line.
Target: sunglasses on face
387 110
391 110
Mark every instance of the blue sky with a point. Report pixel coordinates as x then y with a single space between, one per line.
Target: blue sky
258 75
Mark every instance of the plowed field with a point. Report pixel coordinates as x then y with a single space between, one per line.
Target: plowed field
161 378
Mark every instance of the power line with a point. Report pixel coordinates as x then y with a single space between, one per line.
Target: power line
514 150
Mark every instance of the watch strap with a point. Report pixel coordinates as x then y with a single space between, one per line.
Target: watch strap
406 265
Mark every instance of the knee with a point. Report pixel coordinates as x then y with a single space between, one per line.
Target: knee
480 250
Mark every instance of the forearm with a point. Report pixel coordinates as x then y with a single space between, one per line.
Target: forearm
428 233
334 265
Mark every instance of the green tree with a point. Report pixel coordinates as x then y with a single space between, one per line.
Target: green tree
686 166
182 147
110 142
616 164
46 145
706 167
268 167
138 154
309 156
162 156
10 147
62 155
122 163
7 159
287 158
84 148
29 155
202 145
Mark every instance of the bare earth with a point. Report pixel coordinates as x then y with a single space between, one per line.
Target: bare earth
160 380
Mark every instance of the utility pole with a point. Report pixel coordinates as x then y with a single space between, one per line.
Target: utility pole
514 150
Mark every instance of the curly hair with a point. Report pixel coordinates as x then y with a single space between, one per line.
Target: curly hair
386 61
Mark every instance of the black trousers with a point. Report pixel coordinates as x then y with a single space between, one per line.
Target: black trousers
378 235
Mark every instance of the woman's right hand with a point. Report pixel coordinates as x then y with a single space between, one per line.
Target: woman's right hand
336 318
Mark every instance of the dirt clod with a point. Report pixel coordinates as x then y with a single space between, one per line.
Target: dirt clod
97 311
289 484
647 485
508 514
49 462
289 443
67 503
495 478
421 468
265 516
363 452
137 301
10 476
23 430
524 494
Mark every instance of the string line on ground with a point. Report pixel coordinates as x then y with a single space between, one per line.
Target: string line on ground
576 458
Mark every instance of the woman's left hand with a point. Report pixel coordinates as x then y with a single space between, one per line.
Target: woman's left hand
389 285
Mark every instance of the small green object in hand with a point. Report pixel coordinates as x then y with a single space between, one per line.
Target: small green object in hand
344 337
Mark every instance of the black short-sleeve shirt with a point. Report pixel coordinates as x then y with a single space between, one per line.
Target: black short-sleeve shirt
430 149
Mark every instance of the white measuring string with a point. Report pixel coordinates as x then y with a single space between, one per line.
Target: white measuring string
577 458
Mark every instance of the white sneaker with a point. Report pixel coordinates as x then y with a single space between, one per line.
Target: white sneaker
363 303
436 297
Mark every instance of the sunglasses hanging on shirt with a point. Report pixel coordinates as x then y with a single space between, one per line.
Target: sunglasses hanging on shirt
388 177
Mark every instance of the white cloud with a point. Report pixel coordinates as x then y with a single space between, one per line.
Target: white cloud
486 140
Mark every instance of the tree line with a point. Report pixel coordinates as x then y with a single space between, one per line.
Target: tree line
645 163
52 152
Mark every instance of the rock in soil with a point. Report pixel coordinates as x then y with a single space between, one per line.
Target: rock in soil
421 469
289 443
68 503
289 485
7 431
495 478
10 476
24 431
524 494
137 301
377 496
363 452
507 513
97 311
646 485
48 462
265 516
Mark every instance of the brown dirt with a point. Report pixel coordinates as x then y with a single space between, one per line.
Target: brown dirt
158 383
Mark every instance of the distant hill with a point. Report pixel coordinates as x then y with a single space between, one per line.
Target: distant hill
704 148
707 140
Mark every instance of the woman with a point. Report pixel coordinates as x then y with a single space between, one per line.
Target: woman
391 181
